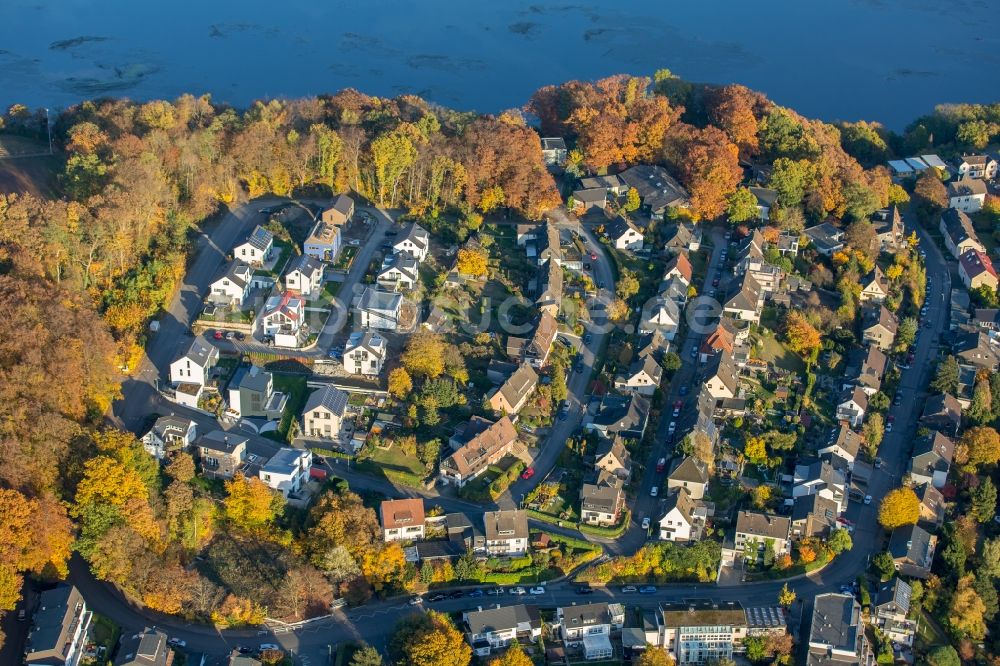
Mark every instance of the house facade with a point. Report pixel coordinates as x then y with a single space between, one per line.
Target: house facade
755 530
379 309
287 470
402 519
323 414
256 248
304 275
232 286
413 241
221 454
506 533
365 353
169 433
496 628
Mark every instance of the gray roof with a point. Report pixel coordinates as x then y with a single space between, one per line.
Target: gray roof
148 648
911 543
879 315
236 272
52 625
745 294
342 204
896 591
933 452
284 459
958 226
330 397
553 143
503 618
622 414
259 238
584 615
603 182
305 264
590 195
369 340
836 622
966 187
251 378
765 196
414 233
169 425
604 495
374 300
619 226
505 525
721 365
680 500
657 188
200 351
692 470
764 525
825 236
220 440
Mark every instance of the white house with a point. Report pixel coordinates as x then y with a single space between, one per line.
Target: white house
256 248
232 285
844 443
364 353
169 433
623 234
959 234
304 275
932 456
379 309
287 470
282 318
193 365
967 195
852 407
402 519
506 533
413 241
660 314
976 166
591 625
399 272
643 376
495 628
820 478
679 523
874 286
323 414
754 530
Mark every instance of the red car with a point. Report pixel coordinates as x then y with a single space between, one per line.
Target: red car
593 256
528 473
217 335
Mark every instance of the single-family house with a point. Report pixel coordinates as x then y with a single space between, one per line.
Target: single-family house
626 416
610 183
551 288
879 326
982 167
602 501
169 433
402 519
472 459
221 453
787 244
231 286
755 529
149 647
339 212
413 241
304 275
660 314
536 352
959 234
590 625
892 609
844 443
723 338
865 369
837 633
681 237
976 270
399 272
613 457
492 629
643 376
282 319
974 349
554 150
874 286
287 470
931 461
657 189
912 549
652 344
826 237
194 364
679 522
932 506
679 266
813 516
323 413
256 248
852 407
967 195
744 299
750 254
379 309
60 628
514 393
365 353
691 474
506 533
766 198
623 234
942 412
820 477
324 240
585 199
888 224
252 394
721 377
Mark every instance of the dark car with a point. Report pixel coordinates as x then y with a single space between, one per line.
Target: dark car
244 649
437 596
647 589
715 282
240 336
391 233
584 589
457 594
475 593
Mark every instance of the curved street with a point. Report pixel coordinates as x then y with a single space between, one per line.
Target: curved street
373 622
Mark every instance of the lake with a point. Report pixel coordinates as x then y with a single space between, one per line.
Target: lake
884 60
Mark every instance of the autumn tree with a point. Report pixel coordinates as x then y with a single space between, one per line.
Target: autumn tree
36 536
655 656
803 338
741 206
627 285
472 262
734 110
424 355
965 614
755 450
429 640
872 431
839 541
250 505
978 446
899 507
400 383
617 310
366 656
707 164
513 656
786 597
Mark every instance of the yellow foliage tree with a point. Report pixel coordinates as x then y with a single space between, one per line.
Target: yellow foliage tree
655 656
803 338
250 504
755 450
400 383
424 355
436 642
472 262
238 612
514 656
382 568
967 610
786 597
899 507
107 480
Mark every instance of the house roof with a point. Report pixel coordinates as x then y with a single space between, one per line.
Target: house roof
703 612
657 188
972 160
679 236
975 348
943 405
416 234
765 196
200 352
615 448
975 263
846 439
590 195
621 414
608 182
619 226
604 495
474 455
744 295
503 618
545 334
691 470
722 337
53 624
721 365
682 502
858 396
836 622
148 648
285 460
585 615
958 226
500 525
879 315
328 397
259 238
288 304
896 591
405 264
305 264
931 499
648 365
375 300
236 272
682 264
653 344
826 236
869 366
520 384
966 187
764 525
553 143
220 441
171 425
343 204
370 341
816 506
875 277
911 543
401 513
656 306
933 452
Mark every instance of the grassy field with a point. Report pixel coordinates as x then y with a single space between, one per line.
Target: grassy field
393 465
16 146
774 352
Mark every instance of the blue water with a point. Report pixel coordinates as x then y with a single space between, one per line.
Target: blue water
884 60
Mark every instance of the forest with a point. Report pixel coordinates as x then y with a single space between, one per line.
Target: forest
85 266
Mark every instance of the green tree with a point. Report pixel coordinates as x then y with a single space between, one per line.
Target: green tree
884 565
946 376
756 648
943 655
906 334
558 386
741 206
989 559
873 430
790 178
84 176
366 656
628 285
671 362
840 541
983 500
632 200
975 133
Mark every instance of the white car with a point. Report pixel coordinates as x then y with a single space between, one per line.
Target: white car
654 491
518 591
645 523
537 590
672 427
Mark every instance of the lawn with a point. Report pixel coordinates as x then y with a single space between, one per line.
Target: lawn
295 387
346 258
774 352
393 465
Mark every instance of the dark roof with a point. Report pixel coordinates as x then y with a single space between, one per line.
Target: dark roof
692 470
765 196
721 365
680 500
591 195
52 625
896 591
440 550
342 204
221 441
657 188
966 187
259 238
236 272
911 543
414 233
553 143
148 648
305 264
200 351
933 452
330 397
765 525
958 226
879 315
584 615
825 236
619 226
502 618
836 622
744 294
622 414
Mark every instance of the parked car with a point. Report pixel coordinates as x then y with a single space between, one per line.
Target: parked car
645 523
586 589
715 282
269 646
176 643
437 596
677 407
888 423
647 589
218 335
587 338
537 590
898 400
528 473
391 232
654 491
684 389
593 256
22 615
518 591
629 589
475 593
416 600
672 427
240 336
244 649
694 353
457 594
661 465
868 499
494 591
